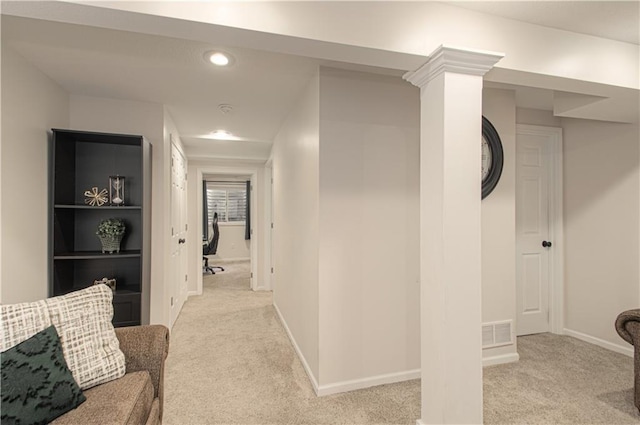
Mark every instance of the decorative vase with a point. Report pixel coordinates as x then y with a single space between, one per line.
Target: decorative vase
110 243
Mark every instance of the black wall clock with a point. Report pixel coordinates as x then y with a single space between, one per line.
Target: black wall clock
492 157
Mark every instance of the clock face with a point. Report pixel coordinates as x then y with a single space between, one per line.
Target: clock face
491 157
486 159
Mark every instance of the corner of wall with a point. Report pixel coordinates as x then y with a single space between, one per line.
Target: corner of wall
35 104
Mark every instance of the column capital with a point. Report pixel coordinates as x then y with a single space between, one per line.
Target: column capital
453 59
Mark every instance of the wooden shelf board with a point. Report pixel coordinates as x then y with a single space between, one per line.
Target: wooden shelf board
96 255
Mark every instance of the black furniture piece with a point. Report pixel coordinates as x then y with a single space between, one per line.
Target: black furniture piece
82 160
212 247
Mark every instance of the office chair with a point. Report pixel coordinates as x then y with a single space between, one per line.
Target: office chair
212 247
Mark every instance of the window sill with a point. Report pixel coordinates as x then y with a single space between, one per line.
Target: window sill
231 223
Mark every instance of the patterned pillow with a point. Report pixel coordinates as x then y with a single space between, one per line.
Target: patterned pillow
83 321
37 385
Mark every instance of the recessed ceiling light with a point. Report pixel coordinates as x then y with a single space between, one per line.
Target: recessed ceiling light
222 135
219 58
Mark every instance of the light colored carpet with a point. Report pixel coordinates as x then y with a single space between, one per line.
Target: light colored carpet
560 380
230 362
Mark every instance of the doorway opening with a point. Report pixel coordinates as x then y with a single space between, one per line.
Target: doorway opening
226 224
230 194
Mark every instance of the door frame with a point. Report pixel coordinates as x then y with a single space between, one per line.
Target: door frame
556 215
255 223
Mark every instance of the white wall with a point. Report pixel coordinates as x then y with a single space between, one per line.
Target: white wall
296 238
232 245
537 117
601 210
32 104
601 226
499 224
369 227
146 119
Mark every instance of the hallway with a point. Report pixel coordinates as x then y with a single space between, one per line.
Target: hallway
231 362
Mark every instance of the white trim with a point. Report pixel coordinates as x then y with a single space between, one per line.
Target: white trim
419 422
305 365
627 351
556 232
453 59
501 359
267 249
231 223
371 381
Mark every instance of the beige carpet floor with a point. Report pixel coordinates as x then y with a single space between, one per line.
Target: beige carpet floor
230 362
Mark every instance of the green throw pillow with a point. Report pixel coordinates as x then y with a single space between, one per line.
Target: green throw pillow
37 385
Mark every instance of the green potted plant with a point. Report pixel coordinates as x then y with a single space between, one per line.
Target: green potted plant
110 232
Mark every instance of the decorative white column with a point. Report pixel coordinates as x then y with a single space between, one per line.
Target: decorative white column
450 267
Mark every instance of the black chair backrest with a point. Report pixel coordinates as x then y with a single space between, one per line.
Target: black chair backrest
212 246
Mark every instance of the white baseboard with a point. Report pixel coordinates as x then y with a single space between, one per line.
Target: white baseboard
305 365
344 386
419 422
501 359
358 384
228 260
192 293
627 351
261 288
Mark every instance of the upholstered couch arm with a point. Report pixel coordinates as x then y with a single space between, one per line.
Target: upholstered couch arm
628 326
146 348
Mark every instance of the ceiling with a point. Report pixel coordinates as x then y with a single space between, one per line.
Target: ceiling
260 86
615 20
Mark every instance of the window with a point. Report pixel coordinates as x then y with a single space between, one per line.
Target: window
229 200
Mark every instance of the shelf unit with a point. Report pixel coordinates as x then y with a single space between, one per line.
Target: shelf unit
81 160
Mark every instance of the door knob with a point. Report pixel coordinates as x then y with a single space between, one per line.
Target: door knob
181 240
546 244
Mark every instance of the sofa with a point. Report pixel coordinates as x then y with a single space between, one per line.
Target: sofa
137 397
628 327
62 362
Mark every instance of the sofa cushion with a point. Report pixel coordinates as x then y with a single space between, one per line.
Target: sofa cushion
127 400
37 385
83 321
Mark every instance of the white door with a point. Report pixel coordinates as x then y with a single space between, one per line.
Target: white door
178 232
533 245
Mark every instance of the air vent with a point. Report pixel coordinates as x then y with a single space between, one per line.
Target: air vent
496 334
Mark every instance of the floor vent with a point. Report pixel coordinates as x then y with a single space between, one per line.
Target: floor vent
496 334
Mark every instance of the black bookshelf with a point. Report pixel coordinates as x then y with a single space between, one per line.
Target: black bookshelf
81 160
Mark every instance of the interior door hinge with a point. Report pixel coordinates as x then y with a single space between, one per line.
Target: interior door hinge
172 231
185 277
251 275
186 227
271 269
272 225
